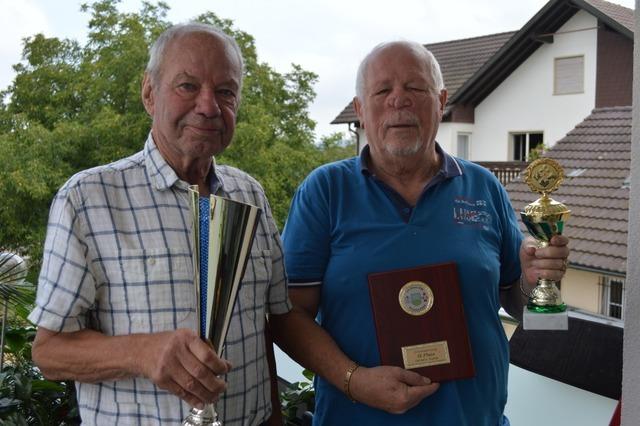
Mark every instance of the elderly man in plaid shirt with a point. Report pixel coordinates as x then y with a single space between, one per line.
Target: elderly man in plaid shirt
116 307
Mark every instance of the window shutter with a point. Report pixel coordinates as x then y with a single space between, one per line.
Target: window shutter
569 75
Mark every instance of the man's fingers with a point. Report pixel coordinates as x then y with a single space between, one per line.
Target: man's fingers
205 354
559 240
173 387
202 373
549 264
553 252
412 378
205 390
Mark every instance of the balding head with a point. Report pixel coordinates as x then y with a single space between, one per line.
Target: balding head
159 48
431 64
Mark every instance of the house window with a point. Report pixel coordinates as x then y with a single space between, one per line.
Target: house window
612 297
568 75
523 143
463 145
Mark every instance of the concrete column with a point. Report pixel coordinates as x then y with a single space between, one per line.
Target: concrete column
631 356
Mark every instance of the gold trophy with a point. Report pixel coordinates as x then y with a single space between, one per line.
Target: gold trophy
544 218
222 236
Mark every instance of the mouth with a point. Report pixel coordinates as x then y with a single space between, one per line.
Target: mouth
204 130
401 126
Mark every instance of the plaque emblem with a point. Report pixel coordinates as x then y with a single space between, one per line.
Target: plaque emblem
416 298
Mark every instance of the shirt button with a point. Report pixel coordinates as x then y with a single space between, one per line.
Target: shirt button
406 210
152 261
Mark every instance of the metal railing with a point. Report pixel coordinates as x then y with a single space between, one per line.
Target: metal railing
505 171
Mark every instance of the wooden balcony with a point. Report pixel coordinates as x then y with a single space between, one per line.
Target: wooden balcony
505 171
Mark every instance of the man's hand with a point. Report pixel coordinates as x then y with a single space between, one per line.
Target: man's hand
180 362
549 262
391 389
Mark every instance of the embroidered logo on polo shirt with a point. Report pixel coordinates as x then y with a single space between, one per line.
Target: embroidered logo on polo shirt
471 213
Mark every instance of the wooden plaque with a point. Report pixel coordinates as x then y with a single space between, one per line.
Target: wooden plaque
420 324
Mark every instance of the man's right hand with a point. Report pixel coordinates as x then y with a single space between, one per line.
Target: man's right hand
180 362
391 389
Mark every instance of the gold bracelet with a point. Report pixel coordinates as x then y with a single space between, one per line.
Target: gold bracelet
347 380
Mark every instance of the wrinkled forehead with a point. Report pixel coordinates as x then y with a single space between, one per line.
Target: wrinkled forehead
200 46
399 61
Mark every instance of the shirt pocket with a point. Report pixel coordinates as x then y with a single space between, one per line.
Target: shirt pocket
148 291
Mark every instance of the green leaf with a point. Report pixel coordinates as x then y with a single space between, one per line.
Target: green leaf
308 374
9 403
46 385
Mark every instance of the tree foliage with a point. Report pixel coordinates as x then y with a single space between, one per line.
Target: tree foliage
73 106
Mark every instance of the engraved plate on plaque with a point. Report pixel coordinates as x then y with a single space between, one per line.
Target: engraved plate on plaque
426 355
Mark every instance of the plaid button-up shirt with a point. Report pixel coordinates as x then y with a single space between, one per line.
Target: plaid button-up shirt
117 259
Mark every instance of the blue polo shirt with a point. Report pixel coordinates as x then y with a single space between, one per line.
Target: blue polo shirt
344 224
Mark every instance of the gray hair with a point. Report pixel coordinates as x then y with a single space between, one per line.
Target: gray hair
158 48
417 48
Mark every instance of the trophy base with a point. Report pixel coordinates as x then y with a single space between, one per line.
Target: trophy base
546 309
532 320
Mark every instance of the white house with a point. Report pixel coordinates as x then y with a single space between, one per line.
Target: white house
510 92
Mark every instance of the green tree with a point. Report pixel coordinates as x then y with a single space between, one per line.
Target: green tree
73 106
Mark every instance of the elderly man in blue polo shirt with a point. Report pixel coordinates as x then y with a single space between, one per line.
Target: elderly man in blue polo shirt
394 207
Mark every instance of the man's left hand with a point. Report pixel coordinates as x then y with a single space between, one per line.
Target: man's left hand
549 262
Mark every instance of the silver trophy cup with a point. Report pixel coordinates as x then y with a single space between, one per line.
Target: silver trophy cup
222 240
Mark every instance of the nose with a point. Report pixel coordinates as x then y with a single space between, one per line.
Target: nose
399 98
207 104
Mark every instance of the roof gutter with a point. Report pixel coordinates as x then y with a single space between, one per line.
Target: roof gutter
597 271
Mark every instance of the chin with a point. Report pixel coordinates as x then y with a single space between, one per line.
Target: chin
404 150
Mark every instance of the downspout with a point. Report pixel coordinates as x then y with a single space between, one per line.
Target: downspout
357 135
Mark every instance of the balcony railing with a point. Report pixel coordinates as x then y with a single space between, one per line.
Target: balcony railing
505 171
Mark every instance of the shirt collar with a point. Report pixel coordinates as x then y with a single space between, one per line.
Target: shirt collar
163 177
449 168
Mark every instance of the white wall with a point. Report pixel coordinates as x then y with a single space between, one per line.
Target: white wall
525 102
447 136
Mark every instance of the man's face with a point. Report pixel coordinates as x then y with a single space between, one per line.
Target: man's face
194 100
401 109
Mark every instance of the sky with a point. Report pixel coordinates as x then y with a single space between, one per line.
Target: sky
328 37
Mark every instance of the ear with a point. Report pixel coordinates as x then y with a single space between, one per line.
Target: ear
443 101
147 94
359 111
